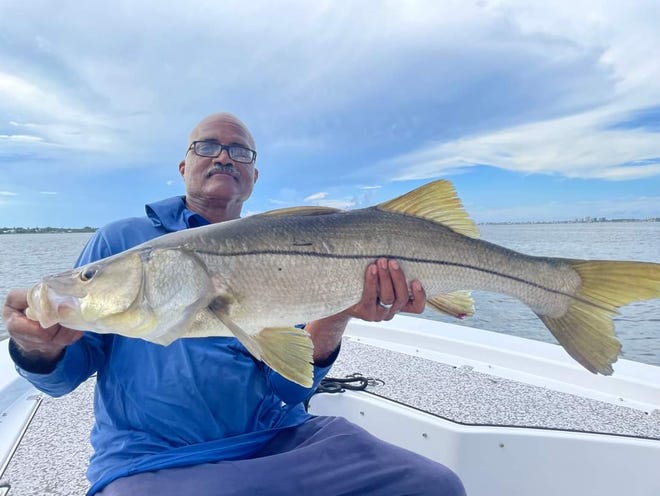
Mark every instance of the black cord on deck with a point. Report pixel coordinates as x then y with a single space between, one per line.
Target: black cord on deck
352 382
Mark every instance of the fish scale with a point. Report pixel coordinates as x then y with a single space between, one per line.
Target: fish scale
255 278
464 263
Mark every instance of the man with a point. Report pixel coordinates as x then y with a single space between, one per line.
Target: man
201 416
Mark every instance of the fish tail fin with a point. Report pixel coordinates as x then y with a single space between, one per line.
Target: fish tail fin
288 351
586 330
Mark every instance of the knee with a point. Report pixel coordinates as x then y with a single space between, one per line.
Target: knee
438 480
445 482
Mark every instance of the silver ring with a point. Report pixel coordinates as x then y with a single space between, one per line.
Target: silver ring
383 305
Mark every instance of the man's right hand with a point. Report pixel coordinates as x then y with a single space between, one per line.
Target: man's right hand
33 341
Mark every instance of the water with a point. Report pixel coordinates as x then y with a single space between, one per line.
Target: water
638 325
26 257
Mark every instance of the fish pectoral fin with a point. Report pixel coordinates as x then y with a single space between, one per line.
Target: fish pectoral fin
286 350
458 304
206 323
437 202
246 340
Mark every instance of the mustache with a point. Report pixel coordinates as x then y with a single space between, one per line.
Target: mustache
223 169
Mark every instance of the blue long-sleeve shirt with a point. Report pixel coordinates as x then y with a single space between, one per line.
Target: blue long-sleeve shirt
194 401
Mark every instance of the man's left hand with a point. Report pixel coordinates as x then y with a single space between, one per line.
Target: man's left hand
386 293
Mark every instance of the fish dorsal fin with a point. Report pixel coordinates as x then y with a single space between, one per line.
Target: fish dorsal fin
437 202
305 210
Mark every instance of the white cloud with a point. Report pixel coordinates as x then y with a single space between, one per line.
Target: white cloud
8 193
20 138
316 196
279 203
625 32
304 72
48 193
340 204
56 119
584 145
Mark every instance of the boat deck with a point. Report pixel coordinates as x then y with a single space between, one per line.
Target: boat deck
469 397
52 457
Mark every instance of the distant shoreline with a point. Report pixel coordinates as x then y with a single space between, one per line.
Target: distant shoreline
87 229
586 220
46 230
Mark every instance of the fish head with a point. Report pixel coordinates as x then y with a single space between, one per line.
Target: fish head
99 296
138 293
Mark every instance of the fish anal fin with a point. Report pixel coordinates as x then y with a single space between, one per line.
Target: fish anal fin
438 202
304 210
458 304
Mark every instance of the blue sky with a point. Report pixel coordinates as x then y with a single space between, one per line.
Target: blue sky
535 110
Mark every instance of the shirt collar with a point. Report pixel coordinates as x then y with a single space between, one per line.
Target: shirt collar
172 215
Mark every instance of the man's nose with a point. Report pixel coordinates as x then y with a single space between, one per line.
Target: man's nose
224 157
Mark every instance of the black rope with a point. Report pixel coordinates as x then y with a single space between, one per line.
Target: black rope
352 382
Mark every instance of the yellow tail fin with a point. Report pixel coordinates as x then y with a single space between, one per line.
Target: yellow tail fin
586 330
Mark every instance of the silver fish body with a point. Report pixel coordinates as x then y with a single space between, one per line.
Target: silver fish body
296 268
257 277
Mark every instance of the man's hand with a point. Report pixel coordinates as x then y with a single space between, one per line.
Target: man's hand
384 295
33 341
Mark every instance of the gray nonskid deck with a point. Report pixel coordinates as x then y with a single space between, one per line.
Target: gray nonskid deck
473 398
52 459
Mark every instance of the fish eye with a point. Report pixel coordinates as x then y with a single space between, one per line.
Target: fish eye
88 274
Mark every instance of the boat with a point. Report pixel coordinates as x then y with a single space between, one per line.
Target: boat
510 415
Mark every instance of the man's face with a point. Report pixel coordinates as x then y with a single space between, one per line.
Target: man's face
219 178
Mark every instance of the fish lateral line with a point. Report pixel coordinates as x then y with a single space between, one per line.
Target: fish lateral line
336 256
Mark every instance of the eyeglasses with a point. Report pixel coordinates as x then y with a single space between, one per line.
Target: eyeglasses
213 149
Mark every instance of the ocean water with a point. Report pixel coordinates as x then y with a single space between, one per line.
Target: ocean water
24 258
637 326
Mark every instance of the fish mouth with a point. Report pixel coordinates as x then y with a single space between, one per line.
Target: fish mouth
49 308
223 169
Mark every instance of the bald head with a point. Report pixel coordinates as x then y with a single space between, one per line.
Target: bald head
217 186
209 123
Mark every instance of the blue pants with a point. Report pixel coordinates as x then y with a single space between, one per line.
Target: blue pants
325 456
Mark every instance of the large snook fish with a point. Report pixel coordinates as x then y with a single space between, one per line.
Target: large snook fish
256 277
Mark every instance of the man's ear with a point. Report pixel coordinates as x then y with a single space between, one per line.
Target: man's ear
182 168
256 174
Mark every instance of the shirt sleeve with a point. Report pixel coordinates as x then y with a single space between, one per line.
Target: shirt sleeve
290 392
80 359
